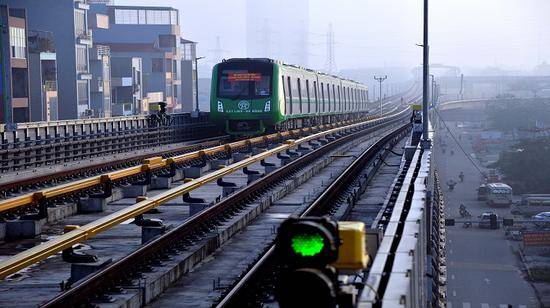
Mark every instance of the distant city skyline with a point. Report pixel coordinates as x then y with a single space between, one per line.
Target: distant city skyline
510 34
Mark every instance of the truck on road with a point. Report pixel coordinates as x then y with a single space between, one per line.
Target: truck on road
495 194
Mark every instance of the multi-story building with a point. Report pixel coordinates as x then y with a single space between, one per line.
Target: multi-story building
68 21
43 76
152 35
14 54
100 85
189 75
127 86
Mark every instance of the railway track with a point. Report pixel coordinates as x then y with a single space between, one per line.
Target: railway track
71 185
162 165
337 200
205 228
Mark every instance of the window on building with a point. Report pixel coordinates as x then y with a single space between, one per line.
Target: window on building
79 22
82 89
167 41
20 82
142 18
158 17
81 59
157 65
102 21
18 43
174 18
20 115
126 17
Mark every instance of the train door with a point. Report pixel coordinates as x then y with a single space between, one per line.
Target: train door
289 104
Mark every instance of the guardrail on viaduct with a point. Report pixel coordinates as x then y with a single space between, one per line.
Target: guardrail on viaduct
25 145
409 268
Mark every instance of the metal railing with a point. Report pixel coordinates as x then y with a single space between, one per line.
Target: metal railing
35 144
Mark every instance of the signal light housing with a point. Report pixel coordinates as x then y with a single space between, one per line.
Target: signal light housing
308 242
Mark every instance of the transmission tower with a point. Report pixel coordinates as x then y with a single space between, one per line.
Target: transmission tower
330 65
218 52
265 34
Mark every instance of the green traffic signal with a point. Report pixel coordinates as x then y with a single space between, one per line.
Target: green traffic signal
307 245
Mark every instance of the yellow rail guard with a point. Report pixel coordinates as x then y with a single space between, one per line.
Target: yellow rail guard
151 164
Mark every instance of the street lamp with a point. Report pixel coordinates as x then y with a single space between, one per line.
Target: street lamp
380 80
197 84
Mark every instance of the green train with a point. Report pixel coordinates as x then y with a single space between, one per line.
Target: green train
253 96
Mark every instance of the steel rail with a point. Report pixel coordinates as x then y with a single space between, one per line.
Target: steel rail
42 251
326 198
4 186
113 273
148 165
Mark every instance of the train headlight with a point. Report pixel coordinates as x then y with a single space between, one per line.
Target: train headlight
267 107
220 106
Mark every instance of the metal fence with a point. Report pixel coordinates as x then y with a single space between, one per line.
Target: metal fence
27 145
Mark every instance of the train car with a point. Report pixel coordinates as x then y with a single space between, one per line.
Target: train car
253 96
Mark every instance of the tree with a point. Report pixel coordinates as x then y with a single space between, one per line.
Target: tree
526 167
508 115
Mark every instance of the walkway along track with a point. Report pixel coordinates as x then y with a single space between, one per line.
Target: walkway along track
335 201
207 221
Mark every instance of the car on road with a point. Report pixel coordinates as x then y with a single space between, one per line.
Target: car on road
542 219
485 220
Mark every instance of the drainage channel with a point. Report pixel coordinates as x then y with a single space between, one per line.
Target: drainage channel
146 272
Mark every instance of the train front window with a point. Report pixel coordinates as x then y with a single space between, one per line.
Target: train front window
245 81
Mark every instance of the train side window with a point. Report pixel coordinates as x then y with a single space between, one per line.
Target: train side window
350 93
316 97
339 106
355 100
355 95
322 97
349 101
289 85
299 83
360 98
308 97
328 98
344 98
287 96
334 97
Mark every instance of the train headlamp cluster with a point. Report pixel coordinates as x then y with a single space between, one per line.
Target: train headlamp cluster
220 106
267 107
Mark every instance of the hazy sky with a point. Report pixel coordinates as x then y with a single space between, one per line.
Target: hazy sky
373 33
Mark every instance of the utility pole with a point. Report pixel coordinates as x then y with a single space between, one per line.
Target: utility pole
426 73
380 80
